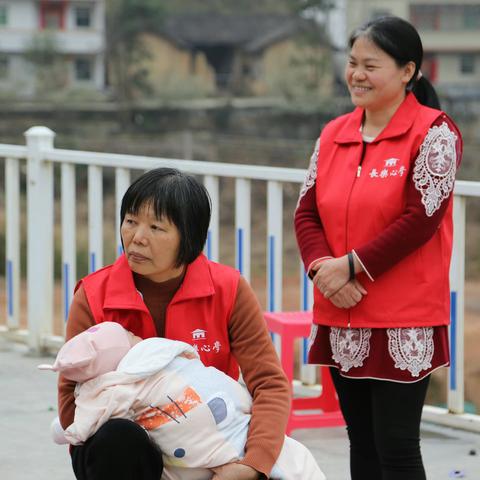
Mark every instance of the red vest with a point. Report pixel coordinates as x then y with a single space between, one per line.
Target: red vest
198 313
354 210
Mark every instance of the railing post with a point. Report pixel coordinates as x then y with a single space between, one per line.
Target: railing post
69 237
308 373
274 252
40 213
122 182
95 217
274 245
457 282
12 264
212 249
243 226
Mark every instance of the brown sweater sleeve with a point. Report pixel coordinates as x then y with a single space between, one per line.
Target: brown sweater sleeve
253 348
79 319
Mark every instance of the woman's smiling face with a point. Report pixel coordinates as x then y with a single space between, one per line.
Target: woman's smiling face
374 79
151 245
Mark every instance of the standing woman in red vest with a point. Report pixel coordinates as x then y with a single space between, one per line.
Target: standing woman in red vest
374 228
164 286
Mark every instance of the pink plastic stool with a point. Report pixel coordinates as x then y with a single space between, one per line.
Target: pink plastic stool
292 325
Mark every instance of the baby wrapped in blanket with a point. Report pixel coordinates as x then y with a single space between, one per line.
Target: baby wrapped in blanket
197 415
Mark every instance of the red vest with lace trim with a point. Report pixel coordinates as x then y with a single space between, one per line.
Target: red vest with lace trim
355 209
198 313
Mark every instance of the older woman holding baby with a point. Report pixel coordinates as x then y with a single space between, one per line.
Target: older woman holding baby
163 286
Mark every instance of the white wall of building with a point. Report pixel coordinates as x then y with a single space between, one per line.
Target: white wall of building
335 24
359 11
22 14
99 71
450 70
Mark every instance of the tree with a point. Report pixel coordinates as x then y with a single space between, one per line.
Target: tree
50 68
127 20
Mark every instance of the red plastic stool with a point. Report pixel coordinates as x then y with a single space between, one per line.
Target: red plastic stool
292 325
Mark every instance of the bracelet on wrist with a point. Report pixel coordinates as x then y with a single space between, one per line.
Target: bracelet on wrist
351 266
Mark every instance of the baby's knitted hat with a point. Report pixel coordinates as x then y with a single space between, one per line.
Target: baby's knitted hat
93 352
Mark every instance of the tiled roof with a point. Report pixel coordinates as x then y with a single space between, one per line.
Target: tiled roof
251 32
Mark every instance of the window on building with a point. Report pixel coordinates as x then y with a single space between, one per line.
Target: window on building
451 17
83 69
3 15
445 17
467 63
4 66
425 17
471 17
83 17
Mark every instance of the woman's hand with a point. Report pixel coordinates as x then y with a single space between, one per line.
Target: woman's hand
235 471
349 295
331 275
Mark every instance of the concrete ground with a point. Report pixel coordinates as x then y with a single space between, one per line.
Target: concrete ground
28 405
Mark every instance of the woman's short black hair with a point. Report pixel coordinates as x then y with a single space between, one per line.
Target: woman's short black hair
180 198
399 39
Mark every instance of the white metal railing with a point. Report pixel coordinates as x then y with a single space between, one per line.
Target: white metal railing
41 156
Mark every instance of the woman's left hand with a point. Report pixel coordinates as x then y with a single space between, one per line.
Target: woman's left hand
331 275
235 471
349 295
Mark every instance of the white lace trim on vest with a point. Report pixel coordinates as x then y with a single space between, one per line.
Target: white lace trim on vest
350 346
411 348
311 176
435 166
312 336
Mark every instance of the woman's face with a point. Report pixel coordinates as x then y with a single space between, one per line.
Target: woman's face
151 245
373 78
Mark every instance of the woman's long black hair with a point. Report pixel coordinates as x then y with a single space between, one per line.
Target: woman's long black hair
399 39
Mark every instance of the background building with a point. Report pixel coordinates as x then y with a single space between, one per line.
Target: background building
51 43
254 54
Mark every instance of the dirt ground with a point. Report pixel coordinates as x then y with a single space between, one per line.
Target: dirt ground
291 295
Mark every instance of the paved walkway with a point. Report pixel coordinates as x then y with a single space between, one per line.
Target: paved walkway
28 404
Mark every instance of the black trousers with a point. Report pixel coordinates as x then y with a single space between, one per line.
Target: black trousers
120 450
383 425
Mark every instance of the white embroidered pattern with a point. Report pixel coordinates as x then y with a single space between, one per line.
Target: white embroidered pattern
435 166
350 346
311 173
411 348
312 336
